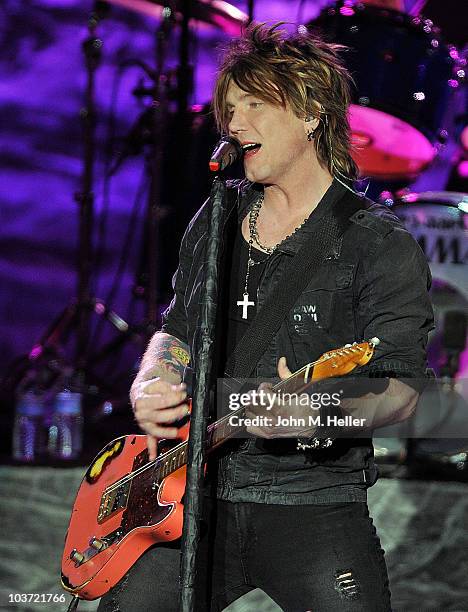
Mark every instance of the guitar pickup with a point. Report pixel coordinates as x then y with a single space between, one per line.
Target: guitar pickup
113 501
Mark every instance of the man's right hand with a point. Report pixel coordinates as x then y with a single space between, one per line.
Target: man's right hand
158 404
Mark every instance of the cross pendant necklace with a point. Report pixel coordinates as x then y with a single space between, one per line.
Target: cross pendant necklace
253 237
245 303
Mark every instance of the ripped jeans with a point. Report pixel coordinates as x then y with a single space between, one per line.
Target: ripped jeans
324 558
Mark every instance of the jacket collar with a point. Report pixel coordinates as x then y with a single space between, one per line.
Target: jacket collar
249 192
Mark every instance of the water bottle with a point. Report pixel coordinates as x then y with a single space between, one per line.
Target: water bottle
28 429
66 427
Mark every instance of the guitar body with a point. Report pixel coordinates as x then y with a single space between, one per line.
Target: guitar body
125 503
123 519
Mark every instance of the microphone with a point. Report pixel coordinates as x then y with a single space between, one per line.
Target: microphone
225 153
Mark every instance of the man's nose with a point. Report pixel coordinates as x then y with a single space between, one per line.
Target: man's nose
237 123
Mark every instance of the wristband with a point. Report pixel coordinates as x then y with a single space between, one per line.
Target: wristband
313 444
325 440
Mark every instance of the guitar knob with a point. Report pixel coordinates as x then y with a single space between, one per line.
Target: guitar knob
96 543
76 556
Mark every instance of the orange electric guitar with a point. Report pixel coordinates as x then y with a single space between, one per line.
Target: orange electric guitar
126 503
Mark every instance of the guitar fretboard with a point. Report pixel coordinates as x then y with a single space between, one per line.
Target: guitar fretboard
223 429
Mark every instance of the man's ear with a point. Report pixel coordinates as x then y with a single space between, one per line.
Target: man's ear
310 125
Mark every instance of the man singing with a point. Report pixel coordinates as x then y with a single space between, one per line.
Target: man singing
287 518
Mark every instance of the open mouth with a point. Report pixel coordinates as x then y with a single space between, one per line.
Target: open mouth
250 148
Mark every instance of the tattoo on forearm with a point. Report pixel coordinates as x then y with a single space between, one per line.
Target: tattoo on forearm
166 356
179 353
172 355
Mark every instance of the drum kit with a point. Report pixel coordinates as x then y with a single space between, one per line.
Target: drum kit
405 77
404 74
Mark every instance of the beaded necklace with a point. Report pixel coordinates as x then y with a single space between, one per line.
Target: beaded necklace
253 237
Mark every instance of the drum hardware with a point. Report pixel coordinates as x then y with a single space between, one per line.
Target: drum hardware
404 75
447 15
439 222
149 134
47 364
158 136
453 341
179 148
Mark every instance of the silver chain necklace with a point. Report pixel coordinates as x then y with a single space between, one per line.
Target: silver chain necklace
253 237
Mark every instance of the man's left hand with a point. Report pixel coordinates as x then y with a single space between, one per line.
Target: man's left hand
279 418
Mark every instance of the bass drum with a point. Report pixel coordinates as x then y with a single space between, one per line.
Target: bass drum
439 222
403 74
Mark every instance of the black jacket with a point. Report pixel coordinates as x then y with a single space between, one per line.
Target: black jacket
375 284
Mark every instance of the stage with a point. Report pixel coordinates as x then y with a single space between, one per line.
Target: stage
109 131
422 526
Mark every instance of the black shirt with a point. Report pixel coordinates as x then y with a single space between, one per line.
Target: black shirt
236 324
375 284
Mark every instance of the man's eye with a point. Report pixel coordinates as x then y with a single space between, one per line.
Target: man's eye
255 104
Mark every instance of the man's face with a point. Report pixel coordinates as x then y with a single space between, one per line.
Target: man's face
281 135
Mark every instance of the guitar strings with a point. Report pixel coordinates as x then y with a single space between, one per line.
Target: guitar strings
174 451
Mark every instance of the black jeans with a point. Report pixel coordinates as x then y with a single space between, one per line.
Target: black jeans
323 558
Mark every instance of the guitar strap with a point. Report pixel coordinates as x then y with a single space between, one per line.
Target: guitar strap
298 272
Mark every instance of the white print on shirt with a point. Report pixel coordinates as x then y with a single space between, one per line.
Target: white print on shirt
307 313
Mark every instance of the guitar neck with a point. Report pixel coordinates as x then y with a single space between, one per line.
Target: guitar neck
334 363
227 427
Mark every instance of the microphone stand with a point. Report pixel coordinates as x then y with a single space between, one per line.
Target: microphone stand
150 133
46 364
85 198
157 117
155 161
204 345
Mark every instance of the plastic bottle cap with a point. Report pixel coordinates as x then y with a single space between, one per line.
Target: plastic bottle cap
67 402
30 404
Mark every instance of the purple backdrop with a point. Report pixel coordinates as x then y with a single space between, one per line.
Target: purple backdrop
41 93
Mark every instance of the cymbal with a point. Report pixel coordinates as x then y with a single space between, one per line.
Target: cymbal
217 13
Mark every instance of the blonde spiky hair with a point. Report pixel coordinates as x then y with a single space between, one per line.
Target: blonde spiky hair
300 70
